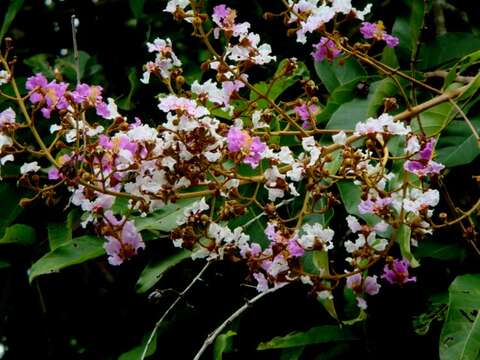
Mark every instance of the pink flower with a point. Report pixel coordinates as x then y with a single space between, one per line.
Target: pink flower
361 286
294 248
377 32
252 148
423 164
376 206
325 49
396 272
91 96
7 118
262 282
305 113
126 242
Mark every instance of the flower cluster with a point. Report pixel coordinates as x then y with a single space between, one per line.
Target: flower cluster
165 60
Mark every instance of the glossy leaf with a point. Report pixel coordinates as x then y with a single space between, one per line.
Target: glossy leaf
339 72
137 7
316 335
292 353
223 344
154 271
446 48
10 208
460 337
339 96
164 219
404 236
19 234
13 8
457 144
74 252
136 352
275 88
440 250
434 120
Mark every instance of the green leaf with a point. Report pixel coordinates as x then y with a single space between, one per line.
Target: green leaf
281 82
317 335
39 64
223 344
339 72
164 219
61 233
126 103
13 8
460 337
339 96
136 352
4 264
356 110
407 28
350 194
137 7
74 252
434 119
19 234
404 235
440 250
461 66
67 65
446 48
292 353
58 234
10 209
154 271
457 145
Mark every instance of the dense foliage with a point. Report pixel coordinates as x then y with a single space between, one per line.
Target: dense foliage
194 179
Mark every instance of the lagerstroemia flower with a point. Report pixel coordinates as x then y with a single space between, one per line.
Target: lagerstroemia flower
396 272
7 118
29 167
251 147
377 32
4 77
385 123
325 49
422 164
126 242
361 286
306 113
50 95
91 96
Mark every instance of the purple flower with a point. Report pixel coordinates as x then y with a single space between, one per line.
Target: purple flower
361 286
325 49
262 282
252 148
126 242
256 150
376 206
36 81
377 32
294 248
220 12
391 40
422 164
368 30
305 113
396 272
236 139
91 96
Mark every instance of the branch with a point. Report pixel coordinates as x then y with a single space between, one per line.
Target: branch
165 314
209 340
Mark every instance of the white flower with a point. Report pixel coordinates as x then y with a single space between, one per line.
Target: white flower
196 208
29 167
173 4
142 133
55 128
112 109
256 120
4 77
296 174
340 138
6 158
316 233
7 117
413 145
5 141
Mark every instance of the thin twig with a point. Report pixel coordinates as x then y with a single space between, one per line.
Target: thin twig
165 314
209 340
